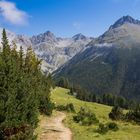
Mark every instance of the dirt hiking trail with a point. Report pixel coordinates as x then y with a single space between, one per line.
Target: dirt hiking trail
53 128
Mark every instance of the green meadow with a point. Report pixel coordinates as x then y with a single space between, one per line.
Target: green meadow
127 131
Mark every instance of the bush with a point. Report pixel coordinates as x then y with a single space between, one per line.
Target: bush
112 126
134 115
17 133
61 108
68 107
85 117
46 108
116 113
104 128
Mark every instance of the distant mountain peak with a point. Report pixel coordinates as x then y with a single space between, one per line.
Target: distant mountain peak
79 37
49 34
123 20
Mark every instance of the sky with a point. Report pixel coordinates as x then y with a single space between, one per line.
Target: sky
64 18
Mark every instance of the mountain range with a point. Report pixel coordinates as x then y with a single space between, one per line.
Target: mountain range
54 51
109 63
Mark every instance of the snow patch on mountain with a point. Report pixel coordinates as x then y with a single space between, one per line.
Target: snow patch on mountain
104 45
96 55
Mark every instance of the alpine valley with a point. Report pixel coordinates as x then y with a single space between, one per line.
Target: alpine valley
107 64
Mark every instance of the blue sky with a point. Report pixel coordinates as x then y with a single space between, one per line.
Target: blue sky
64 17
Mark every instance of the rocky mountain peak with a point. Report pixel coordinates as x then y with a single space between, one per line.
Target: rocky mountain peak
49 34
48 37
124 20
79 37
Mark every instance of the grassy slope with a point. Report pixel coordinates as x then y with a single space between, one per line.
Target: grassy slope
127 131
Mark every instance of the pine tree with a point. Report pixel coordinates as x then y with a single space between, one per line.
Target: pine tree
5 44
24 90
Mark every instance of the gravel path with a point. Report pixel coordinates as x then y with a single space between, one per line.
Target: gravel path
54 129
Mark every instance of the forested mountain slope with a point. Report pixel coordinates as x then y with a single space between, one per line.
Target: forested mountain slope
109 64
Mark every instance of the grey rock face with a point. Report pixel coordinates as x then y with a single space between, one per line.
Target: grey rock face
123 20
55 50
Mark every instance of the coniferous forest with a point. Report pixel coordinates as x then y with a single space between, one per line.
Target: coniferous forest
24 92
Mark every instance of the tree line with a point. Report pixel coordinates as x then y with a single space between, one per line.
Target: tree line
133 115
24 92
107 99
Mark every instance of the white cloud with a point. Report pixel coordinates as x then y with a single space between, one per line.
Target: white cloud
12 14
77 25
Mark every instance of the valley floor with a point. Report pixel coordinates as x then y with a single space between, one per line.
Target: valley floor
127 131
